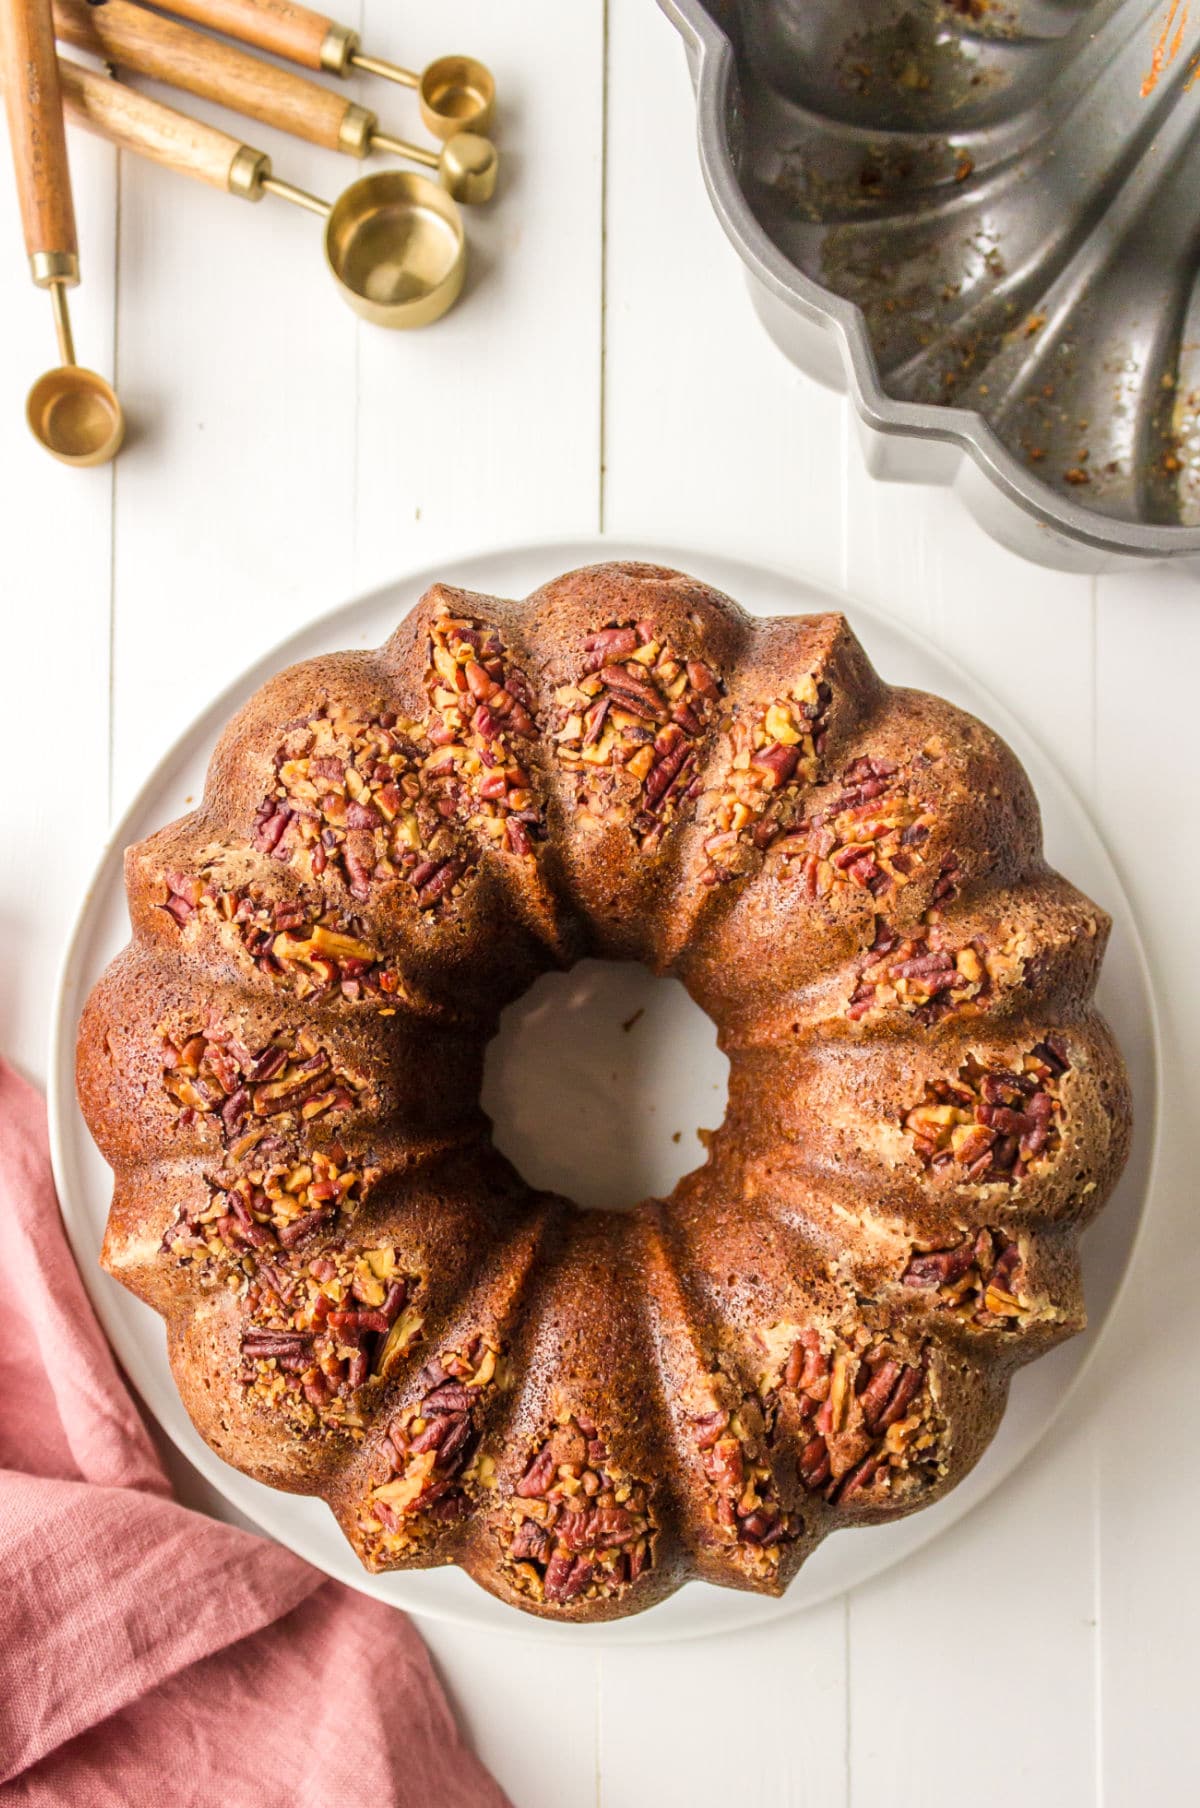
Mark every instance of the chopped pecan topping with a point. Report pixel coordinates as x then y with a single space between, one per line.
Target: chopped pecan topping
732 1440
639 709
484 711
977 1279
322 1331
577 1525
990 1122
271 1204
868 1423
312 948
273 1193
926 974
775 752
871 835
436 1463
368 800
289 1083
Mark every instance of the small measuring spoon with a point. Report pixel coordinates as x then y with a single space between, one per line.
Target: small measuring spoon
72 412
129 36
456 93
394 241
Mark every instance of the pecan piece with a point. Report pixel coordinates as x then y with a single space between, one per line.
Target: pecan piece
991 1121
940 1267
577 1525
745 1504
814 1463
774 754
630 685
307 1355
540 1473
869 1413
436 1462
976 1279
483 707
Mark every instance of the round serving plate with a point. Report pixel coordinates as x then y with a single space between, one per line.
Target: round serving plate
848 1558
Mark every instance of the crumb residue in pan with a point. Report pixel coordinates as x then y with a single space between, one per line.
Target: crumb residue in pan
985 182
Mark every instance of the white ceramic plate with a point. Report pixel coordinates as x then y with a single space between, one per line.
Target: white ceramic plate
584 1072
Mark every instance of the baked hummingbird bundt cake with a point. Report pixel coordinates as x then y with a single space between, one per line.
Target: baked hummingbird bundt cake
365 1302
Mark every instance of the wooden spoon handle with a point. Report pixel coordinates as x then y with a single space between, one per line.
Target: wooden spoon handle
295 33
39 143
133 38
137 123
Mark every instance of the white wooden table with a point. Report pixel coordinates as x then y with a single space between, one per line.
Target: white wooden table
605 372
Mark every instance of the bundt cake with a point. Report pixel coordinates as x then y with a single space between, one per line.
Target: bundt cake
365 1302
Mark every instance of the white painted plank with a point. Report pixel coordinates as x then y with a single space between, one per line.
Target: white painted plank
528 1710
1025 631
234 503
889 532
54 612
972 1664
758 1717
1142 1392
712 438
485 429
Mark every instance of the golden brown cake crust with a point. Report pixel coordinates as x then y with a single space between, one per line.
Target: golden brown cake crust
365 1302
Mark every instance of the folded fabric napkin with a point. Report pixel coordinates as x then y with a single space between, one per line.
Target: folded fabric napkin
149 1654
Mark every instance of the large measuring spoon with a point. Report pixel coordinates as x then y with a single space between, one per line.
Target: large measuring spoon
393 241
133 38
73 412
456 93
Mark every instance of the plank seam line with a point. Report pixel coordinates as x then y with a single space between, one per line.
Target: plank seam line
598 1728
1097 1637
356 417
604 86
846 1744
1094 679
112 500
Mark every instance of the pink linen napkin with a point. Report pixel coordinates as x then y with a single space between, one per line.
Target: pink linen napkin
151 1657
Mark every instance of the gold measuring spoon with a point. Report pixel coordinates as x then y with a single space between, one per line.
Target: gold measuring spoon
456 93
135 39
394 241
73 412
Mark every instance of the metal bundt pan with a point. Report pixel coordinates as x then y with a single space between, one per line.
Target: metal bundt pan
968 213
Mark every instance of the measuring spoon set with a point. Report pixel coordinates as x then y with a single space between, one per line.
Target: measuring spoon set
394 241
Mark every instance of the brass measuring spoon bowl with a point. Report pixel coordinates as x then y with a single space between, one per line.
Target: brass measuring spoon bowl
467 164
75 415
72 411
394 243
456 94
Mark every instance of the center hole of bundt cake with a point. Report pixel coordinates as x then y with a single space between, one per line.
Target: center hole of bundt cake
599 1082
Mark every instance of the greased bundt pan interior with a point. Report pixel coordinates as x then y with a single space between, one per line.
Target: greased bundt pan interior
365 1302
